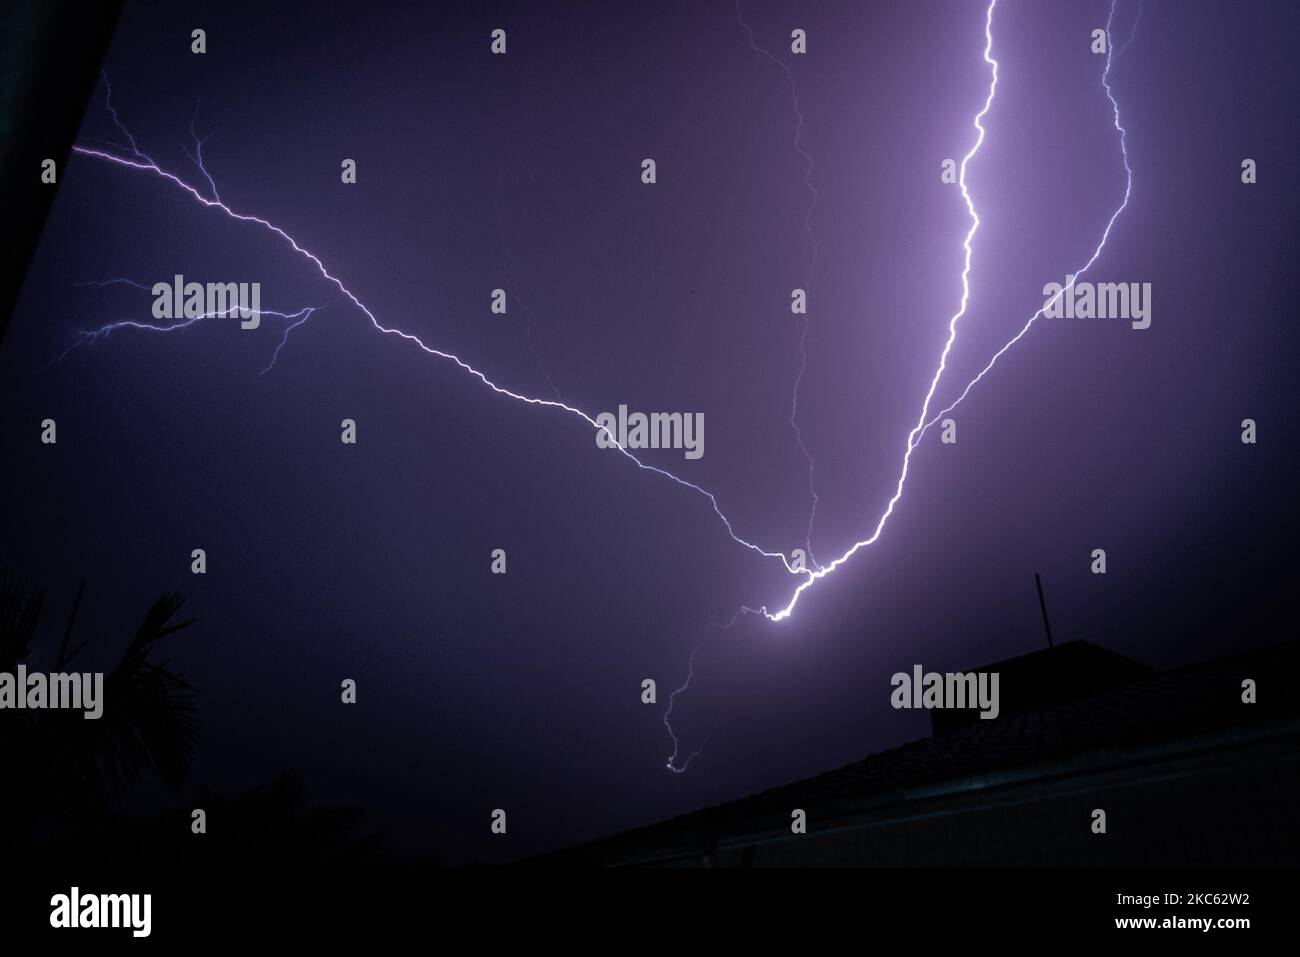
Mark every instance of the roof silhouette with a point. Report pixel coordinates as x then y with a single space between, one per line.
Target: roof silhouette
1147 717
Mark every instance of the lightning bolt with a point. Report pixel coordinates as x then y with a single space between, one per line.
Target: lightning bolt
817 575
923 423
104 331
197 156
1073 277
141 162
668 714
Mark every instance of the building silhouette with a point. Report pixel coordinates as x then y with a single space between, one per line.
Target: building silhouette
1186 772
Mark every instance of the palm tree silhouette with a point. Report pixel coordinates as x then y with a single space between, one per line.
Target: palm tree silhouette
77 770
149 724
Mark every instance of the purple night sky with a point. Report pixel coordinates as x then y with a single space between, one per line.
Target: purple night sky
371 562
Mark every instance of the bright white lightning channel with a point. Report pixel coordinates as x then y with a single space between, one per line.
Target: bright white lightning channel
923 423
820 573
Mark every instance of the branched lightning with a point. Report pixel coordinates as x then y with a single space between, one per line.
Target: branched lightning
1073 277
197 156
820 573
140 162
299 319
923 423
117 121
137 160
295 319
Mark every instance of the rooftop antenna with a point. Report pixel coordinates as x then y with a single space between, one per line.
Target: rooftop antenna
1042 603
